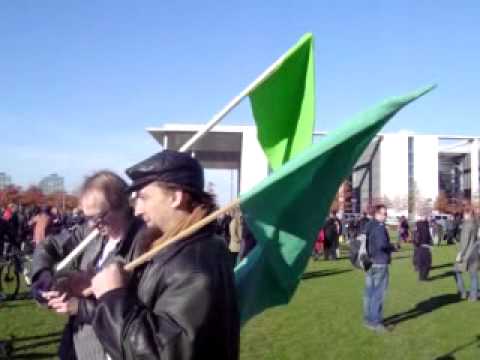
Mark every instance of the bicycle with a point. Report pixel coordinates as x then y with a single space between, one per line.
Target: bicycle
14 264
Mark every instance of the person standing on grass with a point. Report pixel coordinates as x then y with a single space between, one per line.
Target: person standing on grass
450 230
467 259
457 223
363 221
403 229
40 223
235 231
379 250
318 248
332 231
422 256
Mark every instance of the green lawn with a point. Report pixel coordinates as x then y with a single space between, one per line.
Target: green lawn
323 321
35 332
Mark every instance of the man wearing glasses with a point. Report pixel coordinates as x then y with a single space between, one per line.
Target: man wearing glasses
105 203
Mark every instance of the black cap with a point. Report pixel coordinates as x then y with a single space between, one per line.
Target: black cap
168 166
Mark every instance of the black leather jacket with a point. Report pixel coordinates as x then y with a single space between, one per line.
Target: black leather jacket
182 306
57 247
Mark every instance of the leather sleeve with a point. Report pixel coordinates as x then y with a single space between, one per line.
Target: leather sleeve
55 248
129 330
86 310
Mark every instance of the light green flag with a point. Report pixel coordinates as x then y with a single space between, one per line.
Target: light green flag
284 105
285 211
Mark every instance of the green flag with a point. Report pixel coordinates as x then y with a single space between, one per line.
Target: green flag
284 105
285 211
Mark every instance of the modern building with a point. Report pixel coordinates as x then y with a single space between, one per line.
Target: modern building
5 180
405 170
52 183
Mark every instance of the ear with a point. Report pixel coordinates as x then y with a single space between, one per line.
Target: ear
176 199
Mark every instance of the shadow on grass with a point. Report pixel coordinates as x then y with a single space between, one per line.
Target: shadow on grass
422 308
401 257
36 345
322 273
446 274
21 296
37 356
15 352
26 295
37 337
450 355
441 266
403 249
11 304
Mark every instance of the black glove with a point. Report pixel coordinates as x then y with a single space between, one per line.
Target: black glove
43 282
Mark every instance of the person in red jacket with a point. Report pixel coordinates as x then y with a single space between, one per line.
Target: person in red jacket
319 245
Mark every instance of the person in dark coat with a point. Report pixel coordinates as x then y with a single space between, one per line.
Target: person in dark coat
422 256
56 221
332 231
379 249
182 304
457 226
248 241
363 221
403 230
121 236
450 230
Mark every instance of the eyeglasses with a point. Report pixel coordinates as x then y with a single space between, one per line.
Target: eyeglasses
97 218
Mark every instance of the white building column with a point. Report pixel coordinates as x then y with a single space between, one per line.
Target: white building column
425 170
165 142
254 163
474 170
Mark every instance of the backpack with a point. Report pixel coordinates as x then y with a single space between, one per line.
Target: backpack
359 256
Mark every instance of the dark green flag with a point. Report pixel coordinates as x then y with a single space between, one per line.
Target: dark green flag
285 211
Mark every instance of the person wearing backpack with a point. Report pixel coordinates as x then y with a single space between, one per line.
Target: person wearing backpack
379 251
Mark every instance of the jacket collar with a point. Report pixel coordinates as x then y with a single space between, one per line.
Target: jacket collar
173 249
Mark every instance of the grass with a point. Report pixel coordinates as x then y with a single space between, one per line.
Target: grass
323 321
35 333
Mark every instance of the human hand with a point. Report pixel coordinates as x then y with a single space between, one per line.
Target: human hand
61 304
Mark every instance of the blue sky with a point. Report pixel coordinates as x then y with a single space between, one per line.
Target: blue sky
80 80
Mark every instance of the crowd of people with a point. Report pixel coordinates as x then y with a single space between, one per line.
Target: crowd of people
337 230
462 229
181 303
26 226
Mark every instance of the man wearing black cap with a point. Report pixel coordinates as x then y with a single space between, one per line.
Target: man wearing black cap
182 304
